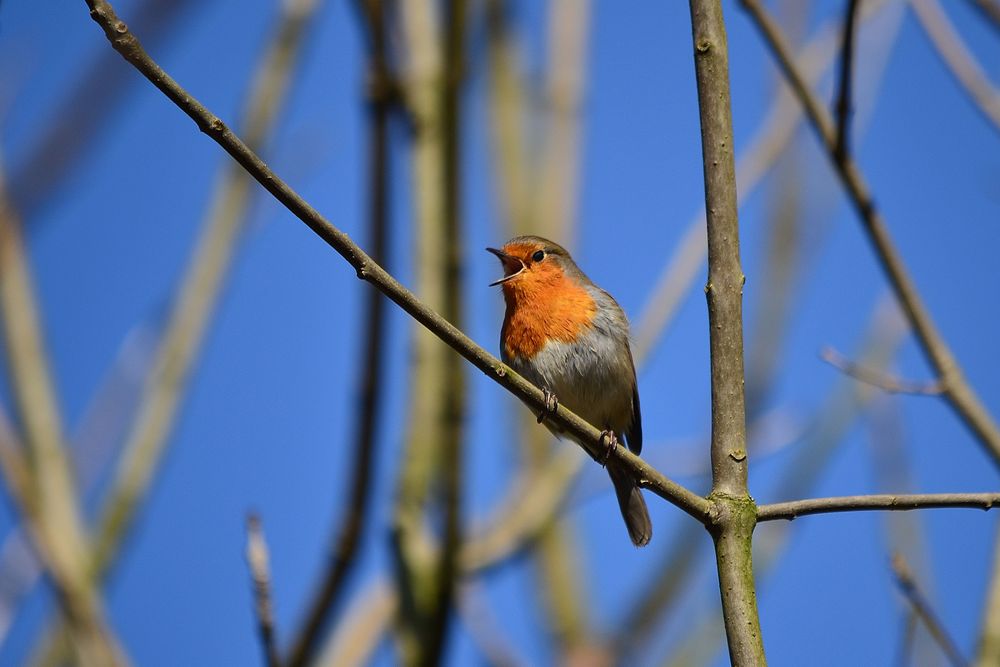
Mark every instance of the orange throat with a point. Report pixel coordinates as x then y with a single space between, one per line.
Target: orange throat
543 308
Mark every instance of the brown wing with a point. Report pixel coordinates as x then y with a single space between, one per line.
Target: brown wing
633 434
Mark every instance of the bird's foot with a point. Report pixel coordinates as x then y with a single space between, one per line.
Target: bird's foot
551 404
610 441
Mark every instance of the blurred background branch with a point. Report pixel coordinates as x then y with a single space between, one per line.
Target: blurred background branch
382 96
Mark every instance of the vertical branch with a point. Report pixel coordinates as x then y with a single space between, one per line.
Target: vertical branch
988 650
844 102
453 398
734 511
45 484
555 203
258 560
433 87
380 102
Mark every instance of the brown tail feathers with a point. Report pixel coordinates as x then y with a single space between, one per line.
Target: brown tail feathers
632 504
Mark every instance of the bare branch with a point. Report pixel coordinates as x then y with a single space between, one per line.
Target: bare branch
130 48
258 561
958 392
959 60
844 105
882 501
878 379
908 586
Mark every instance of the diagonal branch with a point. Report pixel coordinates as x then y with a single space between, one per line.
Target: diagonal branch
129 47
844 102
960 395
883 501
44 485
921 606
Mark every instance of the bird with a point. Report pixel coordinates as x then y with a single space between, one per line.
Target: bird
570 338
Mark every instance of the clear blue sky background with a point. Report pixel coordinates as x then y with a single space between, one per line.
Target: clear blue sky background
267 420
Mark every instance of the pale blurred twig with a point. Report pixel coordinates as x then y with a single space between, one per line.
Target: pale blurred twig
893 469
94 444
44 487
258 561
555 194
988 647
909 588
365 623
959 59
879 379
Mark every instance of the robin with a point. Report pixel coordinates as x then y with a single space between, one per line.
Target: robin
571 339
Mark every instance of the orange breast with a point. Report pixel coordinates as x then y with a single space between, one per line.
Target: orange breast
542 308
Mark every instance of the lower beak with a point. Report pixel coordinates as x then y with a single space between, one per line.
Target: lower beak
512 266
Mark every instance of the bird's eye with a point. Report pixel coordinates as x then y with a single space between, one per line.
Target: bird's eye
538 256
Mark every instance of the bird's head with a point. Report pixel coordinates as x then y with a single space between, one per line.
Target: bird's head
531 262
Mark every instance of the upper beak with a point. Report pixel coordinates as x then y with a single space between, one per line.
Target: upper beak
511 265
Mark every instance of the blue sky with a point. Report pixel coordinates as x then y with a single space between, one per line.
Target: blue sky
266 421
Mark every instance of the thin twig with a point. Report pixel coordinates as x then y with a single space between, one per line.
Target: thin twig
734 510
908 586
258 560
381 98
881 501
130 48
959 59
960 395
844 103
879 379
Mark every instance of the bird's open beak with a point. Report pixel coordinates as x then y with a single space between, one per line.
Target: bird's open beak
512 266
